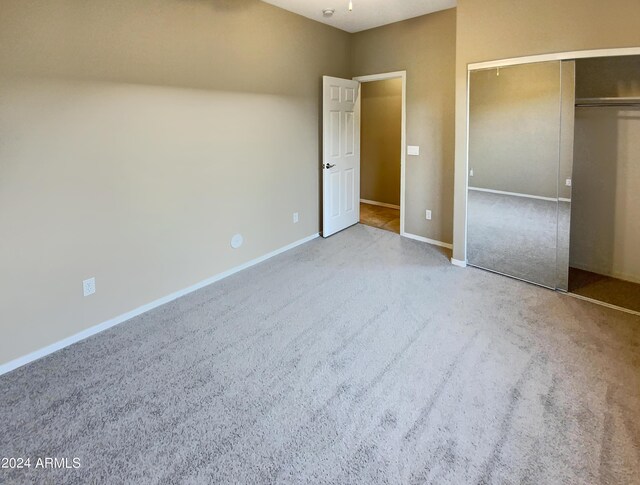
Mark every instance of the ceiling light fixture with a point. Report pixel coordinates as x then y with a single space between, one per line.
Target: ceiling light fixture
328 12
350 5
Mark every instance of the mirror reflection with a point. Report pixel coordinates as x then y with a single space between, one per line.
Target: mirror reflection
515 173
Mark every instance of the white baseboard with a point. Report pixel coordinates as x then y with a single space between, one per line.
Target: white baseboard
514 194
49 349
381 204
427 240
457 262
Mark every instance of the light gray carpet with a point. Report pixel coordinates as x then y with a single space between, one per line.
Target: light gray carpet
522 237
364 358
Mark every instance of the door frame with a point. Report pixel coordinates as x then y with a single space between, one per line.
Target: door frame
403 129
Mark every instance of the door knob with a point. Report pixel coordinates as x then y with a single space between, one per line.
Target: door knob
329 165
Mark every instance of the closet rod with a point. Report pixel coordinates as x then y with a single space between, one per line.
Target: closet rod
597 102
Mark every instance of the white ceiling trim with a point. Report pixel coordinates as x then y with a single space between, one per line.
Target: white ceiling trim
366 14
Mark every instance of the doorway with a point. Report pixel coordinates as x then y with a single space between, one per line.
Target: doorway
382 117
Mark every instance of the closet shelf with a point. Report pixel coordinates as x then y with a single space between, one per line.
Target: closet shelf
616 101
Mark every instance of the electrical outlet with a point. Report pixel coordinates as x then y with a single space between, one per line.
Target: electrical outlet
567 182
471 173
428 215
89 286
296 218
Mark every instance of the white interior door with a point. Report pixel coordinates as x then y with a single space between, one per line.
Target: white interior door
340 155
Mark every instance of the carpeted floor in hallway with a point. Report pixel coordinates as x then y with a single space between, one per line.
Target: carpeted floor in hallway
363 358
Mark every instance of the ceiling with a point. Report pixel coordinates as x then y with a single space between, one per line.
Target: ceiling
366 14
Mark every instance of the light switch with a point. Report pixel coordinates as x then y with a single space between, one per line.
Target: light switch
567 182
413 150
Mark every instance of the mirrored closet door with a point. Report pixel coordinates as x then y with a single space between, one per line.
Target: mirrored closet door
520 164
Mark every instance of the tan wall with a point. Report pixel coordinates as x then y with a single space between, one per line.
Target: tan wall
516 120
605 224
425 48
608 77
380 140
499 29
137 138
514 129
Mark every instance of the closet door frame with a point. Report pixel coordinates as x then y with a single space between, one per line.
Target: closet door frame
460 242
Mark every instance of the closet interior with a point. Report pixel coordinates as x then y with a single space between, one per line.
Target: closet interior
605 220
554 176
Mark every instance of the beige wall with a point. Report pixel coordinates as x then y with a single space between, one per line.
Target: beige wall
380 140
605 224
516 120
425 48
137 138
514 129
499 29
608 77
